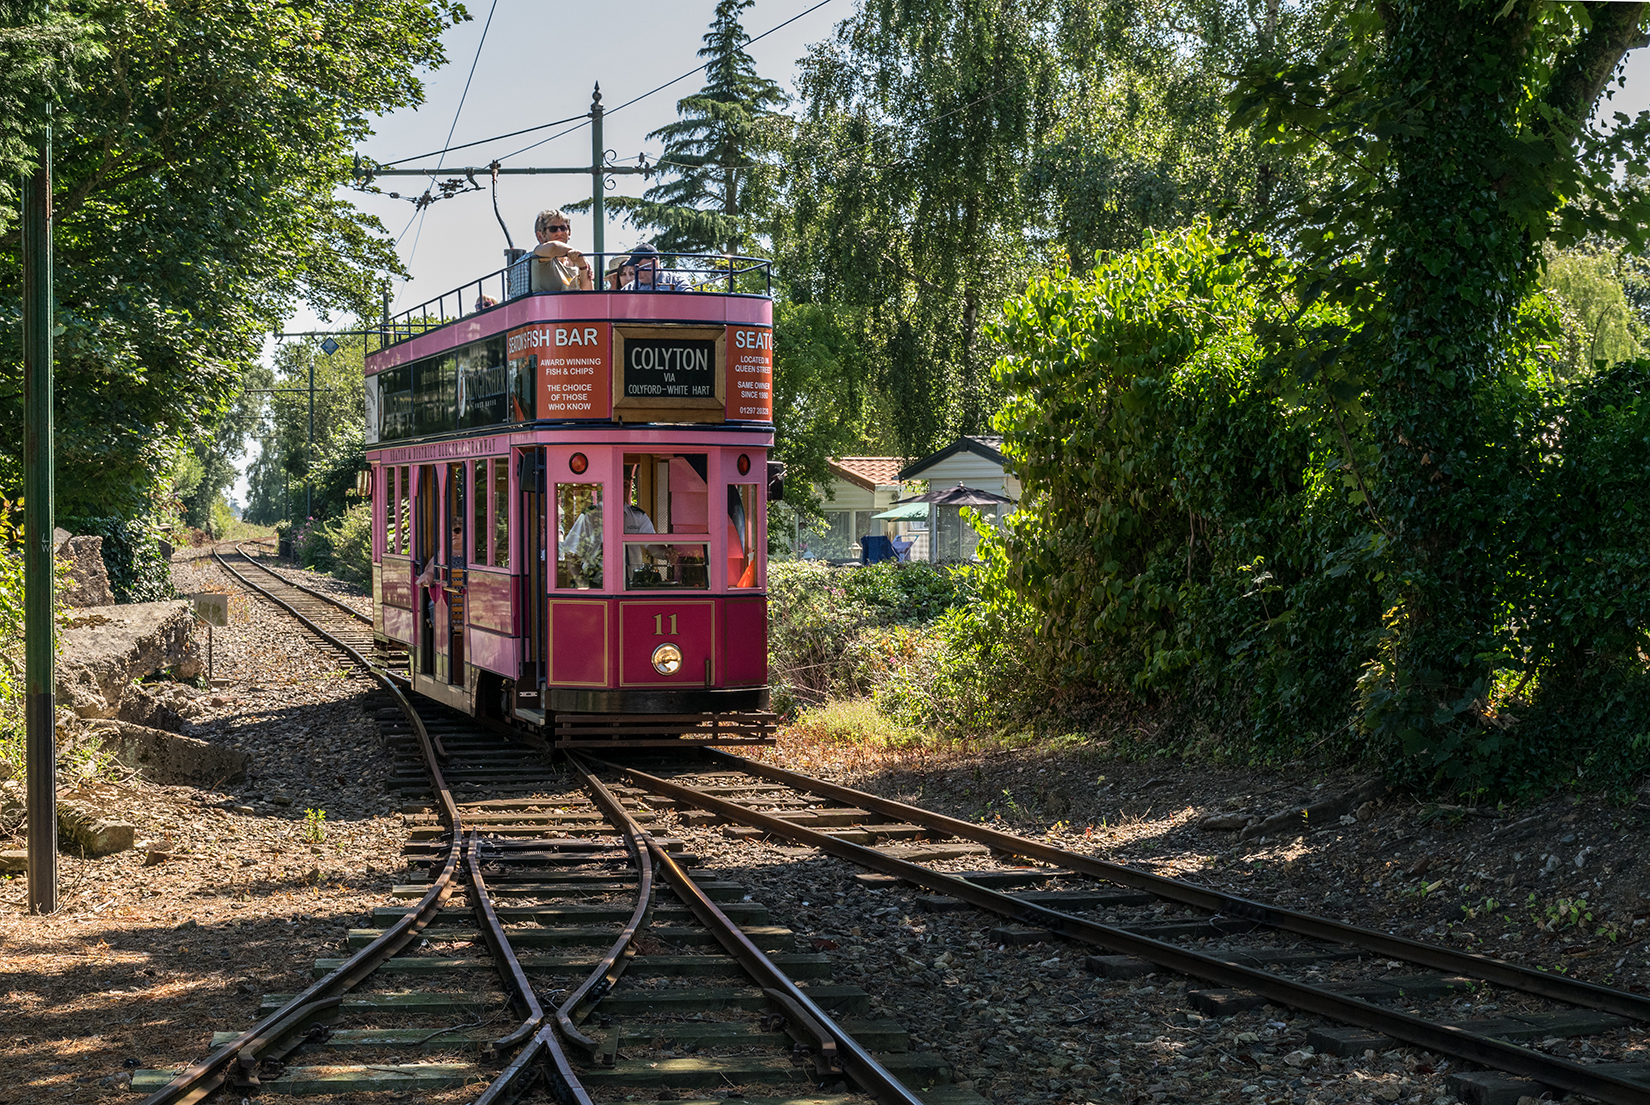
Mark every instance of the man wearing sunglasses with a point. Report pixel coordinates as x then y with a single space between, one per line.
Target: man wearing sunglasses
557 266
650 276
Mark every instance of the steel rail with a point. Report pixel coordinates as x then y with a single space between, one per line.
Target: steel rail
433 752
503 951
341 605
1456 1042
200 1079
612 966
808 1018
1498 971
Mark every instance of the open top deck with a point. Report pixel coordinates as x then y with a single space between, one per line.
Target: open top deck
700 354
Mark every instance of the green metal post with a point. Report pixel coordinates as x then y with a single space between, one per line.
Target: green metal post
38 524
598 192
309 449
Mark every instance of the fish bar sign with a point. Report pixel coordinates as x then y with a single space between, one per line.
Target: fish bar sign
750 374
574 367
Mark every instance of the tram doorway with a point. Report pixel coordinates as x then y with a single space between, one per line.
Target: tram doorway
533 519
455 525
424 549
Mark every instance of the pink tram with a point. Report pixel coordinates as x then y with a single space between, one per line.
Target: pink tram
570 498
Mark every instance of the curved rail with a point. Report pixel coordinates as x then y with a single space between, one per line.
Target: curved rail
1541 983
534 1029
237 1061
836 1049
322 595
1416 1031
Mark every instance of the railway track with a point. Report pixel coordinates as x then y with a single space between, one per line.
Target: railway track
548 935
560 924
334 621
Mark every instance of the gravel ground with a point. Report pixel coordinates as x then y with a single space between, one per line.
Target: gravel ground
229 893
228 897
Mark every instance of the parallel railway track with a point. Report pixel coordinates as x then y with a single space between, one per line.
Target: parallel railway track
597 954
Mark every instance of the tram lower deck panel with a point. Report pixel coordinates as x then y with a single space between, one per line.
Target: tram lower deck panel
578 528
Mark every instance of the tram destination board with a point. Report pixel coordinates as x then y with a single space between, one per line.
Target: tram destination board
670 368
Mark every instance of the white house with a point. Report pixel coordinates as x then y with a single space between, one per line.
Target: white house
859 488
975 461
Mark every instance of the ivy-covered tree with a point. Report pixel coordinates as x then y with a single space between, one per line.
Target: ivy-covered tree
1456 140
197 166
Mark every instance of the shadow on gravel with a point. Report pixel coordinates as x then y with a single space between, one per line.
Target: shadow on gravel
91 999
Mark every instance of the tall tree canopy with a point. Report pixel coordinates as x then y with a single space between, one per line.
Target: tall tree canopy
948 152
197 158
719 176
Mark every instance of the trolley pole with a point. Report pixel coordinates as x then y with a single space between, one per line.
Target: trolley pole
38 525
598 193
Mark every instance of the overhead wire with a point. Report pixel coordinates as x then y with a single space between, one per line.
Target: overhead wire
465 95
584 120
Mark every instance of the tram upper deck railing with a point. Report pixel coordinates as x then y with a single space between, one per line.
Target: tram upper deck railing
715 273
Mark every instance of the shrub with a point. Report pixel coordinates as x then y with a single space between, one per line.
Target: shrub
854 721
838 631
349 538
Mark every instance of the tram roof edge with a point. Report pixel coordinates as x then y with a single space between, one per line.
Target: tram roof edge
636 308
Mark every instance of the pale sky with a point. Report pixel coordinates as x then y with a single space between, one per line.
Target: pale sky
539 63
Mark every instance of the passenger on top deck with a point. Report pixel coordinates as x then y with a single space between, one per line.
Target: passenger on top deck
557 266
650 277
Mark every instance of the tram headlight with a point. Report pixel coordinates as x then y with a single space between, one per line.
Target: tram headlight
667 659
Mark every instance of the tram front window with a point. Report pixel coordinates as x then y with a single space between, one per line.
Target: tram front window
579 535
666 521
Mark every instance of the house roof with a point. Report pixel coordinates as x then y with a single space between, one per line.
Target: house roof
868 472
989 447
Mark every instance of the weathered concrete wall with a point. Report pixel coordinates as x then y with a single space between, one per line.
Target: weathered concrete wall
88 576
173 759
102 654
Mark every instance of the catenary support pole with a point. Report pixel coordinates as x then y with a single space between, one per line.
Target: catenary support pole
598 186
309 449
38 525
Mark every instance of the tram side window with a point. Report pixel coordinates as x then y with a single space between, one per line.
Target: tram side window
579 535
386 504
404 510
742 535
501 513
478 504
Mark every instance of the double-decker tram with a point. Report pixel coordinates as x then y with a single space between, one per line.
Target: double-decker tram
570 498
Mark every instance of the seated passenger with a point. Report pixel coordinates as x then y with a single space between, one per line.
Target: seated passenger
557 266
581 549
619 273
650 276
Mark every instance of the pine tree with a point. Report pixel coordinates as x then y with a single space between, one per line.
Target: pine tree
715 182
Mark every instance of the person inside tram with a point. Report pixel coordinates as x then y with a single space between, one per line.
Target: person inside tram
557 266
582 547
650 275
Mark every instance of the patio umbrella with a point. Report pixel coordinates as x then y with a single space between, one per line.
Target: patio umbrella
905 511
959 496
